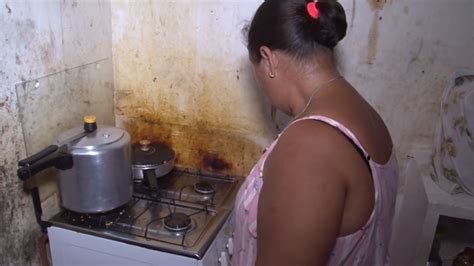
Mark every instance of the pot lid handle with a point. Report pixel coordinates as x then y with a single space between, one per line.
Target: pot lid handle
145 145
90 119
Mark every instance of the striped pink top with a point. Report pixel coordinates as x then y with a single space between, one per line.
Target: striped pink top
367 246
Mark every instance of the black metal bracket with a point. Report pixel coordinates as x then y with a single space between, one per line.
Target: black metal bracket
38 210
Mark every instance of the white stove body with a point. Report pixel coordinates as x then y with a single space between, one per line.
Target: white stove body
72 248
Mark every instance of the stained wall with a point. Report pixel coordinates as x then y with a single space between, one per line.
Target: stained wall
55 65
182 78
182 75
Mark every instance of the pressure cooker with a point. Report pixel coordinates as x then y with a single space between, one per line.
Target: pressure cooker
94 163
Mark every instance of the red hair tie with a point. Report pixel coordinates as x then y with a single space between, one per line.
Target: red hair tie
312 10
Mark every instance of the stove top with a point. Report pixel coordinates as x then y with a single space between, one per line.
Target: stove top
182 216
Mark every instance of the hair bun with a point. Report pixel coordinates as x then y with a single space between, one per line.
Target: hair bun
331 25
296 28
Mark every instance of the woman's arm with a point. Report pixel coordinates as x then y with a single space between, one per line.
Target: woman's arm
301 204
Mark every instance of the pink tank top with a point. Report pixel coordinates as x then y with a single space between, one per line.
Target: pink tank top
367 246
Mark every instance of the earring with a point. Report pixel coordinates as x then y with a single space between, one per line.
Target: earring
272 76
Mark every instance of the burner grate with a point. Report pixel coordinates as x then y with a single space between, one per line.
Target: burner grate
204 187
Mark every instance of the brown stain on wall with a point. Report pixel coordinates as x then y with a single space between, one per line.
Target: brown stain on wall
202 136
373 40
203 149
377 4
212 161
182 94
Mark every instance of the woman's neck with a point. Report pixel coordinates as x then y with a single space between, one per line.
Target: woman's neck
309 86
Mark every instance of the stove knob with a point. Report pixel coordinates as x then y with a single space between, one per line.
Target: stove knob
223 259
230 246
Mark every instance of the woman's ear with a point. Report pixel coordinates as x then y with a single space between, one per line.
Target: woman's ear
270 60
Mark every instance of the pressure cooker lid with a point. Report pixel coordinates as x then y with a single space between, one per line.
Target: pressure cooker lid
102 136
147 154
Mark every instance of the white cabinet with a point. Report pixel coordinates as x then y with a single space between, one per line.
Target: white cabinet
73 248
422 206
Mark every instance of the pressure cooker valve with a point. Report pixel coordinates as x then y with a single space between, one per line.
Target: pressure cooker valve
145 145
90 123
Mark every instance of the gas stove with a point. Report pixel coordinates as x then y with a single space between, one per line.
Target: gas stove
181 217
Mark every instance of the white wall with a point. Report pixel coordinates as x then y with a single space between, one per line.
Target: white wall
66 47
400 55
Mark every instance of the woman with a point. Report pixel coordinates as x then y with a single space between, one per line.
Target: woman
323 193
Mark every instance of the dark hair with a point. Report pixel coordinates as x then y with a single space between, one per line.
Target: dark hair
286 25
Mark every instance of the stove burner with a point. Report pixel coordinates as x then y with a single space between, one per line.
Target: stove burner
177 222
204 187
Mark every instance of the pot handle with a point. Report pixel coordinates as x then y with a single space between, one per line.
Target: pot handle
151 178
38 156
49 157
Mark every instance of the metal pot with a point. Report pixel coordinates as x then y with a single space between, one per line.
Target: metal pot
94 164
151 161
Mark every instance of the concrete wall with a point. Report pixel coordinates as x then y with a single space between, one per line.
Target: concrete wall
400 54
55 65
182 75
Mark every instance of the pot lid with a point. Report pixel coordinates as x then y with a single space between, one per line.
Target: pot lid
147 154
102 136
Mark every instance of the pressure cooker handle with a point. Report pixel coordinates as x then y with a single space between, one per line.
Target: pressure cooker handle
38 156
60 160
